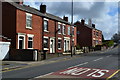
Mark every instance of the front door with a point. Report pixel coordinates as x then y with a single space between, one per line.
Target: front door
64 45
52 45
21 42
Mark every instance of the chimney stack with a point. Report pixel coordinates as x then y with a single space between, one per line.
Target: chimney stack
20 2
65 18
83 21
93 25
43 8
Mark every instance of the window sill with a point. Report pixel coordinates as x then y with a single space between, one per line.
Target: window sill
59 33
30 48
46 49
59 48
28 28
46 31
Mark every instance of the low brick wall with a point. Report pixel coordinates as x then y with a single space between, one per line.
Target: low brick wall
22 54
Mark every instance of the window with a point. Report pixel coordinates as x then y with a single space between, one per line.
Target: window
45 42
63 29
30 42
45 25
97 42
96 33
28 20
72 30
68 30
59 29
59 43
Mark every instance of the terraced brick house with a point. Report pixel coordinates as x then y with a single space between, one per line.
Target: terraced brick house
29 28
87 34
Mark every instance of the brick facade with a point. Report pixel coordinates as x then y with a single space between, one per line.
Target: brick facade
22 36
88 36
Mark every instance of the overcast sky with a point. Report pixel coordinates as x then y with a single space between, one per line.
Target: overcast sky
103 14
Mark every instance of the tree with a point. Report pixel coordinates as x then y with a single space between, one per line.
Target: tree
116 37
108 43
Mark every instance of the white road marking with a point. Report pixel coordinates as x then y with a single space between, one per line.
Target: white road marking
78 65
43 75
109 56
97 59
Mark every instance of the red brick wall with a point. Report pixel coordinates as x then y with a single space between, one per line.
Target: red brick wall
52 32
99 37
36 28
9 23
75 36
84 38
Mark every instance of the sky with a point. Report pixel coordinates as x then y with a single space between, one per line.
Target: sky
104 14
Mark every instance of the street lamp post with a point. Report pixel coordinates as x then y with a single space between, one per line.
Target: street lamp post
71 45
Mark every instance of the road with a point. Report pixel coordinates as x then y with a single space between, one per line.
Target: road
108 59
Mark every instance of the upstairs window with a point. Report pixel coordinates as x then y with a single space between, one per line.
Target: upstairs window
28 20
63 30
72 30
68 30
97 33
59 29
45 25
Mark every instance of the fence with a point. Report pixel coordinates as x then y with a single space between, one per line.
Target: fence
23 54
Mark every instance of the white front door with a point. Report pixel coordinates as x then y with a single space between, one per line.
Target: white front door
64 45
52 45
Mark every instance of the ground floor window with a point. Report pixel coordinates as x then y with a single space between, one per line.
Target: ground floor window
59 44
45 42
30 42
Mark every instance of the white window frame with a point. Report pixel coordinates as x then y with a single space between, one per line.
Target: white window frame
28 27
73 30
59 28
61 43
45 19
63 29
19 39
31 36
45 37
68 30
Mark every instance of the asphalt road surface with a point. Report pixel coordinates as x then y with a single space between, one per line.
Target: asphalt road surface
104 63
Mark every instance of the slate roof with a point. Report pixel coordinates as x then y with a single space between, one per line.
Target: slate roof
37 12
89 26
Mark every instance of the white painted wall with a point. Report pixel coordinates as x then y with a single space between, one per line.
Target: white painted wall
4 48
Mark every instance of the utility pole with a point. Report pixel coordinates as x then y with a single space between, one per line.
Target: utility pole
71 25
72 13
